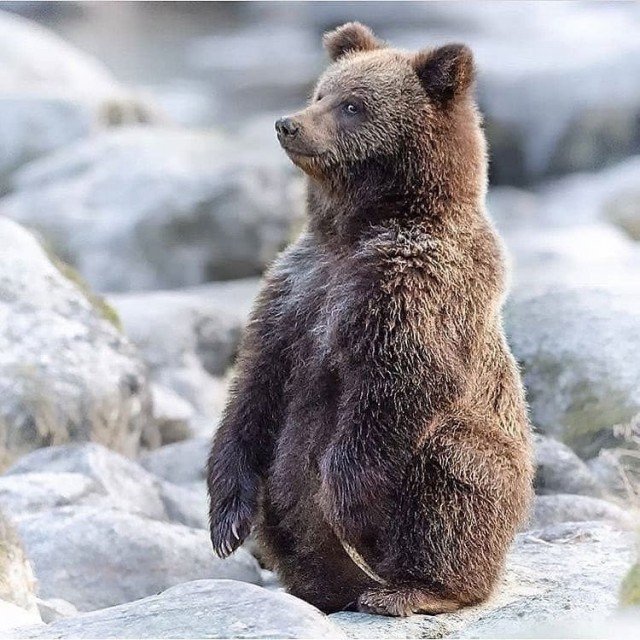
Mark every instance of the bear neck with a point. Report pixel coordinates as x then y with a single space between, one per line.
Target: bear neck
383 193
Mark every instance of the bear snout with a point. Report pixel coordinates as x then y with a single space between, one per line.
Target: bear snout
287 127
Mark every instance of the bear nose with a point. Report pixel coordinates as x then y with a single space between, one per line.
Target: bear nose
287 127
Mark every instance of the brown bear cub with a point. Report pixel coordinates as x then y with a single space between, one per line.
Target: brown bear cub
376 436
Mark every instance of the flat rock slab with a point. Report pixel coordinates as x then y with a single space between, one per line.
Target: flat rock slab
96 557
200 609
555 576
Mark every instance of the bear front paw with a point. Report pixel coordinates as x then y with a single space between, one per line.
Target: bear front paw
230 524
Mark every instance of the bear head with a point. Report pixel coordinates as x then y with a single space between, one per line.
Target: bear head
382 121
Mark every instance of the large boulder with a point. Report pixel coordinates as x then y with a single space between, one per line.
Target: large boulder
96 557
54 609
561 233
91 475
564 507
66 372
618 469
80 474
17 582
13 617
199 609
147 208
53 94
189 340
554 575
574 346
181 463
623 210
560 470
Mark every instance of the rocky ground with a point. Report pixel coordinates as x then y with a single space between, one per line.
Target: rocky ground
130 250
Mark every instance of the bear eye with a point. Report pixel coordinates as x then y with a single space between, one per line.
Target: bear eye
350 108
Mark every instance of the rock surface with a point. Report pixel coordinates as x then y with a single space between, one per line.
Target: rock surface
564 507
98 557
66 373
623 210
13 617
554 576
619 470
17 582
90 475
200 609
187 504
147 208
189 340
81 473
53 94
560 470
55 609
574 346
181 463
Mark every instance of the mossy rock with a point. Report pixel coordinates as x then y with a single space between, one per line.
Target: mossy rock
630 588
17 583
624 212
97 301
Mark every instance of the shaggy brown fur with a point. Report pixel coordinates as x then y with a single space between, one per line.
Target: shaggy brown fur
376 404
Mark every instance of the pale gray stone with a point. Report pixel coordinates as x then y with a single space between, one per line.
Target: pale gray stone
13 617
66 372
560 470
17 581
574 345
180 463
53 95
200 609
562 507
96 557
55 609
149 208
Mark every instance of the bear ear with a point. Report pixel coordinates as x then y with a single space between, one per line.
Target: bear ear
445 72
351 36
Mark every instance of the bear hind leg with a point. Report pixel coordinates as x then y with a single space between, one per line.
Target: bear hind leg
404 601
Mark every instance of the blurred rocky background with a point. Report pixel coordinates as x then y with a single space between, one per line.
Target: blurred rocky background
142 194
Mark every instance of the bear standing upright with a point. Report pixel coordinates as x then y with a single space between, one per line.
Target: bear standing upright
377 435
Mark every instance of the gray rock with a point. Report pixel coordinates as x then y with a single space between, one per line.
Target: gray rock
624 211
55 609
53 94
128 486
66 372
172 414
619 471
554 576
188 340
180 463
562 507
562 233
13 617
17 582
29 493
574 346
204 608
147 208
96 557
90 475
187 504
513 209
560 470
